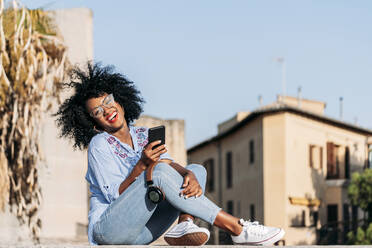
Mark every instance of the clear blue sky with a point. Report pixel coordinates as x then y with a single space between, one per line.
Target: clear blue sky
202 61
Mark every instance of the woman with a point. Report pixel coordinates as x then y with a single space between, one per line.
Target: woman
98 116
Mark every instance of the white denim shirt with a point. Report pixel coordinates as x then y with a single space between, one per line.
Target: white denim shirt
109 162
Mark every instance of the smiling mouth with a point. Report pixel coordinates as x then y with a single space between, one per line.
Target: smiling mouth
112 117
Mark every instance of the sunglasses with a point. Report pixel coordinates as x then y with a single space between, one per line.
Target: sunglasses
107 102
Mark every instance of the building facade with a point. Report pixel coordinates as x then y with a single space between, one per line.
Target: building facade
285 165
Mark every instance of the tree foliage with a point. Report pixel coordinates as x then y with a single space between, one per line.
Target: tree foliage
32 65
360 190
360 194
361 237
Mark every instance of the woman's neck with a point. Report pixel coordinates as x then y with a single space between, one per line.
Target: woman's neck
123 134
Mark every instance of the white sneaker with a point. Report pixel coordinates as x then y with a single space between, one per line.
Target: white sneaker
187 233
256 234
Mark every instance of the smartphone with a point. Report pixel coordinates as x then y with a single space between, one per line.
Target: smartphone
157 133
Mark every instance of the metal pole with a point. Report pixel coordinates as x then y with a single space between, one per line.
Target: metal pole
284 83
284 79
260 100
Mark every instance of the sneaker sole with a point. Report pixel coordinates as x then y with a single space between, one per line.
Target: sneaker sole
270 241
191 239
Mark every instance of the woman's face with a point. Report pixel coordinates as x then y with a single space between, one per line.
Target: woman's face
107 113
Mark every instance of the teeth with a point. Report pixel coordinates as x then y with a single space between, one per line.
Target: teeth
113 116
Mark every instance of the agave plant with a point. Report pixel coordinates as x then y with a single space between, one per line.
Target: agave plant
32 66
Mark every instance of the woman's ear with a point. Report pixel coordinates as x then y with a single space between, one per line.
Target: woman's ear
98 129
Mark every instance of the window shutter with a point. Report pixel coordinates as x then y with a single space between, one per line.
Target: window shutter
330 160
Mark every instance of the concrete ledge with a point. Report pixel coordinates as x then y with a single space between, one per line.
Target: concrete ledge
160 246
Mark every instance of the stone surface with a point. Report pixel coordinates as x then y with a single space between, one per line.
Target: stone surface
68 245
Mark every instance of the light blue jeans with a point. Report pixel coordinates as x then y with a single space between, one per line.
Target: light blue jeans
132 219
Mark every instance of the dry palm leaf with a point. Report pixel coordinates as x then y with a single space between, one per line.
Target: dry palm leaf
32 65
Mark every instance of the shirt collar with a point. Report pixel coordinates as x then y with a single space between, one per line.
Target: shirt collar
132 132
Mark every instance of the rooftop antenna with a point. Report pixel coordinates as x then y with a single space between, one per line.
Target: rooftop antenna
341 107
260 100
281 61
299 98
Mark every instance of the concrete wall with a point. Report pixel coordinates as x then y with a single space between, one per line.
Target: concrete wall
305 104
174 135
64 187
247 187
274 175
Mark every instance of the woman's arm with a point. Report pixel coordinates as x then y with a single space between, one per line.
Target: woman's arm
179 168
137 170
149 156
190 183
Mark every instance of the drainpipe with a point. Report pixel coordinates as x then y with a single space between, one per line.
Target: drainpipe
219 193
219 174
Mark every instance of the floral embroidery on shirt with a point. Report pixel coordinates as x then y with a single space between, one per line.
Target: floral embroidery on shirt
142 140
110 140
140 130
118 149
141 136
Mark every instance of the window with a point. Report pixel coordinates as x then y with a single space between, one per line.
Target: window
321 157
347 163
303 218
346 218
229 170
314 218
230 207
370 157
209 166
253 214
332 214
315 157
311 155
251 151
332 161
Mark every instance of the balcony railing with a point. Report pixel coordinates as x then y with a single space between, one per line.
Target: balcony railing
335 233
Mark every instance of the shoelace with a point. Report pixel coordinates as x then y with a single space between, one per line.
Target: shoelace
189 222
253 226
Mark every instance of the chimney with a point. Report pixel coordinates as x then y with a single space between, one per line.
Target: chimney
341 107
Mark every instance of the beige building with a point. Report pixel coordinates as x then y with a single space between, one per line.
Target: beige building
285 165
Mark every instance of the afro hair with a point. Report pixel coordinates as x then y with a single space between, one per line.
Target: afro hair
94 81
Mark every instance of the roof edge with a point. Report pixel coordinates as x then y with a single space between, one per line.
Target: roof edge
279 109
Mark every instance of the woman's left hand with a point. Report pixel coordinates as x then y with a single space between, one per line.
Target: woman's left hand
191 186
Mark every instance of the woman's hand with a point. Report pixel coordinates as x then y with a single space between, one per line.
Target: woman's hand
191 185
150 156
